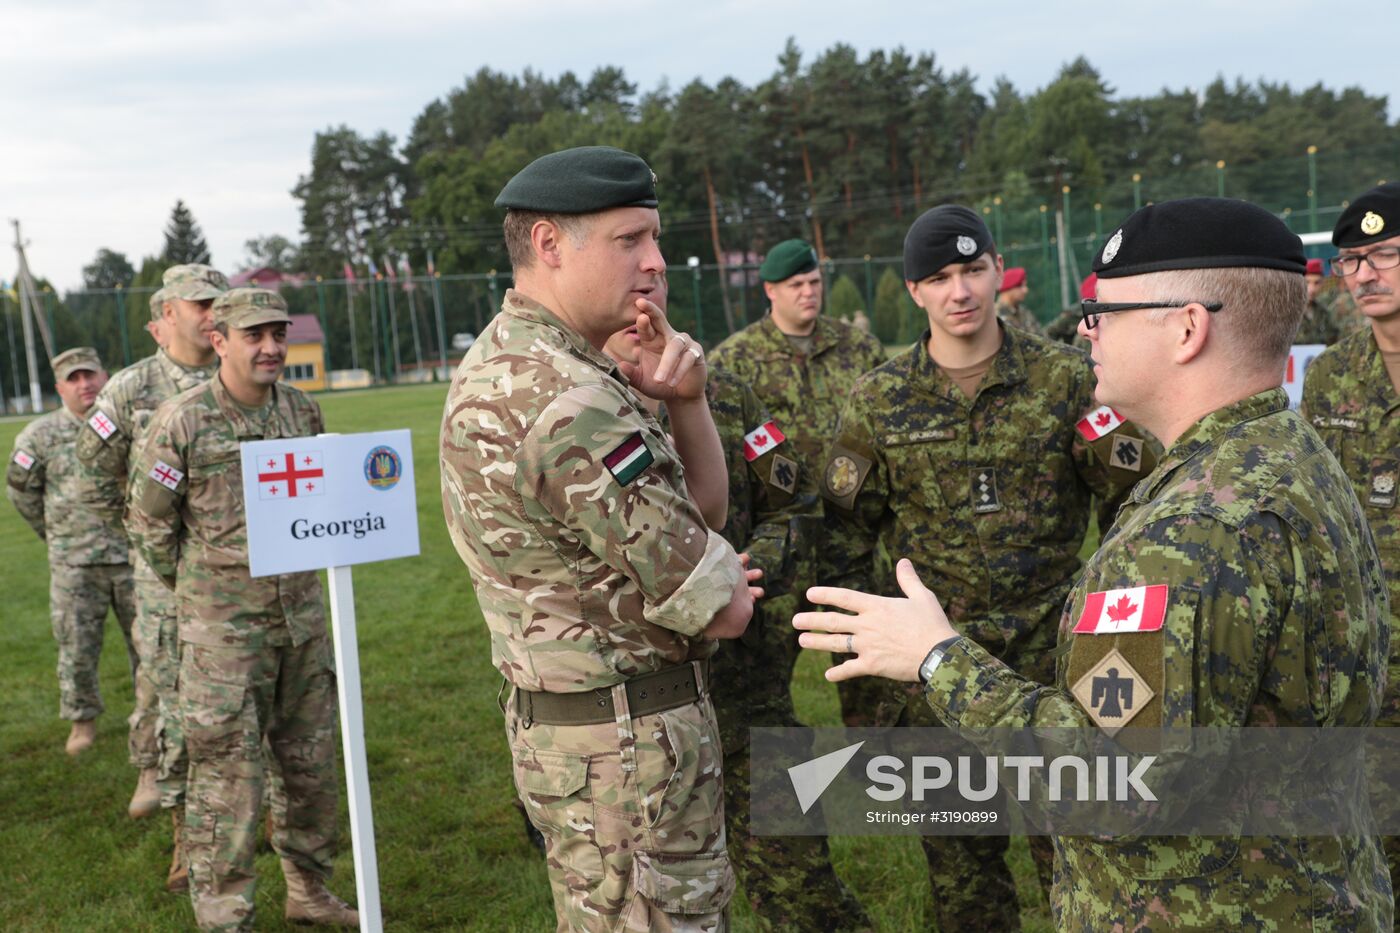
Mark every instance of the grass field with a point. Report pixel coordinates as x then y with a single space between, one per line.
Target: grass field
451 852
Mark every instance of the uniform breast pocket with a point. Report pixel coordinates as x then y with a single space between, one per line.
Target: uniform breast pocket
915 470
215 483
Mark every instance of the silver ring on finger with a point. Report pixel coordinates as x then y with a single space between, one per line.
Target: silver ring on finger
850 644
698 355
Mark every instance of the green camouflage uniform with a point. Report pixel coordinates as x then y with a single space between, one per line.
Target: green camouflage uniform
127 402
1274 615
805 393
255 661
1019 316
991 499
1065 328
1347 315
1317 325
789 880
567 503
88 569
1348 398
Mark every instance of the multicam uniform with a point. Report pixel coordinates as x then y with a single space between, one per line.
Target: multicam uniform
88 570
255 661
990 498
1274 615
805 393
115 427
789 880
596 576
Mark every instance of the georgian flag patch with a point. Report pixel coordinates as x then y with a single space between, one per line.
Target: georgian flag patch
103 425
629 459
24 459
1102 420
761 440
166 475
1135 609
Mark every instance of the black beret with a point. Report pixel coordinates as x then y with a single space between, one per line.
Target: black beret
581 181
942 236
1373 216
788 258
1200 233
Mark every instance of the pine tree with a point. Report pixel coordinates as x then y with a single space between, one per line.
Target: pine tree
844 299
184 241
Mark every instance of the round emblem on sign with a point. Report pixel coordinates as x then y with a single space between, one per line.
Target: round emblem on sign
967 245
1111 248
842 476
1372 223
383 468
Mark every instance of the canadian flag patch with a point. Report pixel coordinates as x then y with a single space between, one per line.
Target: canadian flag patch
761 440
23 459
1135 609
103 425
1097 423
166 475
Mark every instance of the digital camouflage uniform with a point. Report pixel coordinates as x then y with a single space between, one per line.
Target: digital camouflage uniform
1019 316
1274 615
1349 400
807 393
1317 325
88 569
566 501
789 880
991 499
255 661
126 404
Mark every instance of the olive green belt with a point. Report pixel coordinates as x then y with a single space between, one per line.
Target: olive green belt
649 693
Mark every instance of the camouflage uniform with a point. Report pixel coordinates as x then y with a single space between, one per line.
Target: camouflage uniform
1020 316
255 661
1317 325
1274 615
805 394
789 880
1349 399
88 569
567 503
127 403
991 499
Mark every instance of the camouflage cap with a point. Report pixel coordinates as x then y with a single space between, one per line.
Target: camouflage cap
194 282
70 361
248 307
157 304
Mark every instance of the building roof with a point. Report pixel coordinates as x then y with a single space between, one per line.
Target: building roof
305 329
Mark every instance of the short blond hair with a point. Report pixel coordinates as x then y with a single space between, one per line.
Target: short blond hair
519 223
1260 312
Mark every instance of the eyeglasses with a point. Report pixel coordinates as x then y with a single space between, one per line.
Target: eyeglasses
1091 308
1378 259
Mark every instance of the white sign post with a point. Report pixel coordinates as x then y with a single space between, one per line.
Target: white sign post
331 501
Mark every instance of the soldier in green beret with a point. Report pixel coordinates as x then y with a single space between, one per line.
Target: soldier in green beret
802 365
71 510
254 656
588 532
1268 605
1351 395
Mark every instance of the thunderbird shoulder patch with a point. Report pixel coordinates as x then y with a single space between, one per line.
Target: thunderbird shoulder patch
628 459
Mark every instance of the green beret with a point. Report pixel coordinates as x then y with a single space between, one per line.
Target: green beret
70 361
1373 216
248 307
788 258
581 181
1200 233
942 236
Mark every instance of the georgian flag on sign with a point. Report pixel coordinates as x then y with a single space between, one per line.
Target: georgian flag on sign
1135 609
1097 423
166 475
289 476
761 440
103 425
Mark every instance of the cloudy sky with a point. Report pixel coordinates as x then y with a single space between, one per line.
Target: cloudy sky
112 110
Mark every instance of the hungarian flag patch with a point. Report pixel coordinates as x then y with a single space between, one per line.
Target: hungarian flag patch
761 440
103 425
166 475
629 459
23 459
1135 609
1102 420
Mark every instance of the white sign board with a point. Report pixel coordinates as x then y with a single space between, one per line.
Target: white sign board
329 501
1299 359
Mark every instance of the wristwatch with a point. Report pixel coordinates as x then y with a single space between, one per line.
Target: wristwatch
935 658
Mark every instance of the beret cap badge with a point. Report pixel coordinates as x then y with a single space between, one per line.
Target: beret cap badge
966 245
1372 223
1110 249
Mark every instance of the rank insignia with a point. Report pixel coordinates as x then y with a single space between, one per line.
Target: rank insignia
783 473
1127 454
984 490
1112 692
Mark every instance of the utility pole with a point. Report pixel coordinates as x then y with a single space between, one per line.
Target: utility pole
28 319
